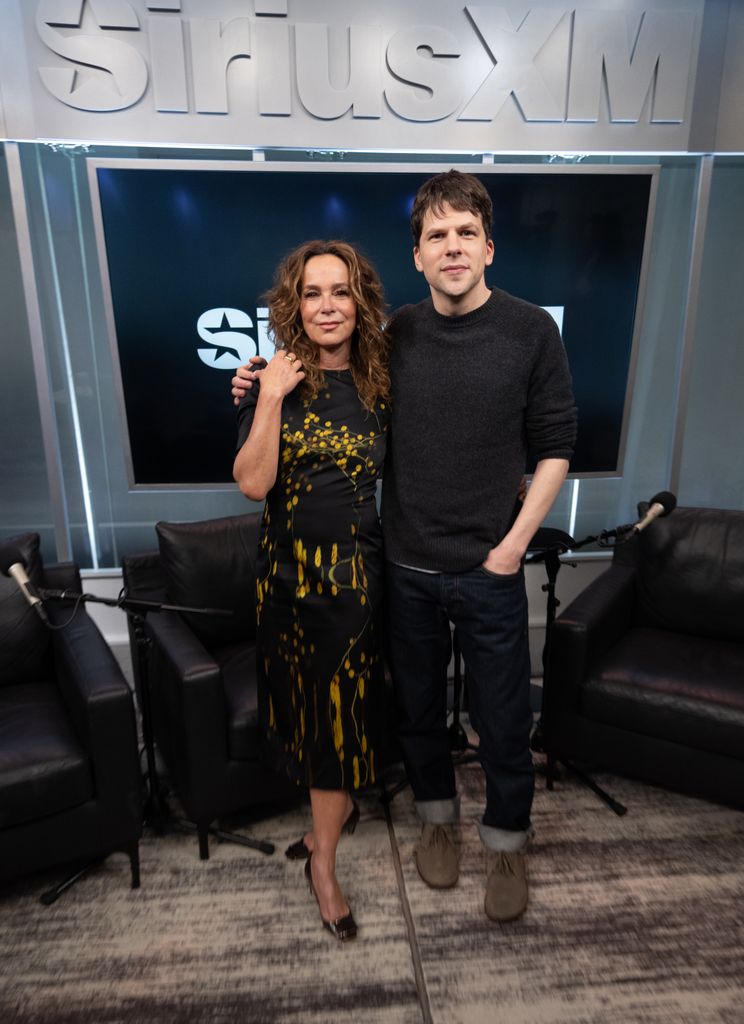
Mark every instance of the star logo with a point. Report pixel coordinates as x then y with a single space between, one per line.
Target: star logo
225 332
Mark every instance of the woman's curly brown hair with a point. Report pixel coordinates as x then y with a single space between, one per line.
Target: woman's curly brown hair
369 358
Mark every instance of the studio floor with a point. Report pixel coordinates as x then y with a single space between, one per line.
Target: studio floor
631 919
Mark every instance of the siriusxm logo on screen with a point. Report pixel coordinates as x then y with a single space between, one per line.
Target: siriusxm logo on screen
228 341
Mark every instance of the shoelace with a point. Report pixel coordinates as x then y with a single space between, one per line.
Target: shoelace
503 864
438 836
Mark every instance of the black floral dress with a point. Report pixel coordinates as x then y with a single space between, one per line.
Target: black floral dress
320 589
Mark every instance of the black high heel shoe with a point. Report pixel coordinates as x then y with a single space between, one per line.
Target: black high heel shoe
343 928
298 850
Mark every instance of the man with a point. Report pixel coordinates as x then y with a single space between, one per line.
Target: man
480 381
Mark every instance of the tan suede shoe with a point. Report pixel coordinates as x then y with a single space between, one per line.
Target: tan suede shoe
506 884
437 856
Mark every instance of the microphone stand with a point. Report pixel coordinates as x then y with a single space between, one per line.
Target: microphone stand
156 812
558 544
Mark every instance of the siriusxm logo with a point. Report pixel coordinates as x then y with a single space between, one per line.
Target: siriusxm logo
229 339
637 63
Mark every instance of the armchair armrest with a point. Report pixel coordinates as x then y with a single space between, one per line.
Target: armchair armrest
191 681
63 576
588 627
100 705
143 576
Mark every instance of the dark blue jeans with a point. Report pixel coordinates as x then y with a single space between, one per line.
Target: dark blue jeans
490 613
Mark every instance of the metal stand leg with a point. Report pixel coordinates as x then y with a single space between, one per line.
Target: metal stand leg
134 864
388 794
156 811
617 807
52 895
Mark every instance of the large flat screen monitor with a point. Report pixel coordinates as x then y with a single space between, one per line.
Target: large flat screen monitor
188 250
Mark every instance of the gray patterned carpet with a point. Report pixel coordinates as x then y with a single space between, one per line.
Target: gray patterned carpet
633 919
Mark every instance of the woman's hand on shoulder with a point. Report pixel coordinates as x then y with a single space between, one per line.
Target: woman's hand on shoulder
282 374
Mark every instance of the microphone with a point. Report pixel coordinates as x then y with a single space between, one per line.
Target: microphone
660 505
11 564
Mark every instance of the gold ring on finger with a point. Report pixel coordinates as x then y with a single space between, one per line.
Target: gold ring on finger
290 357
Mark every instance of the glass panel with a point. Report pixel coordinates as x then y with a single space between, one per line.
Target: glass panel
26 505
107 519
712 468
604 503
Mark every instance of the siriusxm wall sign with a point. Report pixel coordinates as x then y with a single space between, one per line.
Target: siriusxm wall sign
429 74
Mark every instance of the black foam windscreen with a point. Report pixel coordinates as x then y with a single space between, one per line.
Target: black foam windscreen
667 499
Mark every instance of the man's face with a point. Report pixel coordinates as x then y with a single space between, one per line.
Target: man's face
453 254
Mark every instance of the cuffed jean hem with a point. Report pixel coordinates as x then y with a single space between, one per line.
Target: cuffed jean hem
502 839
439 812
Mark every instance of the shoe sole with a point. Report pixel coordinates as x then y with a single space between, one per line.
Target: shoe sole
506 920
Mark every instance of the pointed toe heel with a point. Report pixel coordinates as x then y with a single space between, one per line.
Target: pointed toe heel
342 928
297 851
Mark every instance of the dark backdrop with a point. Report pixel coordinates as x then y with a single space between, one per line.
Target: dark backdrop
181 241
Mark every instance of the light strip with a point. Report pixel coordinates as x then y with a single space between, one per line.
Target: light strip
574 508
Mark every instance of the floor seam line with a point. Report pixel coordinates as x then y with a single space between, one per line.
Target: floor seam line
418 967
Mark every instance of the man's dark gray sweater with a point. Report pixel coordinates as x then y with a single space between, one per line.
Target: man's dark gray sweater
473 396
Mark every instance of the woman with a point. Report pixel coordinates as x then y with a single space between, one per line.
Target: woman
312 442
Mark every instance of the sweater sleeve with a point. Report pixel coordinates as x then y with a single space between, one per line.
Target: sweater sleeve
551 412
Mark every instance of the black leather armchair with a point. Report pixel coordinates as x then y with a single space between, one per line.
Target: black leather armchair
201 670
646 669
70 787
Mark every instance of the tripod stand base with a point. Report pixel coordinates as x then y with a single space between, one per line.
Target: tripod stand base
204 831
164 823
587 780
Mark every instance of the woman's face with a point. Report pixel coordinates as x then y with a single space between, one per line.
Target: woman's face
327 308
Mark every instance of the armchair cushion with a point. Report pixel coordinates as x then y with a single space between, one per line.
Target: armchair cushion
213 564
43 769
25 653
679 688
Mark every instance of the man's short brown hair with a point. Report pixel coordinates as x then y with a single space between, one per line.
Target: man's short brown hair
461 191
